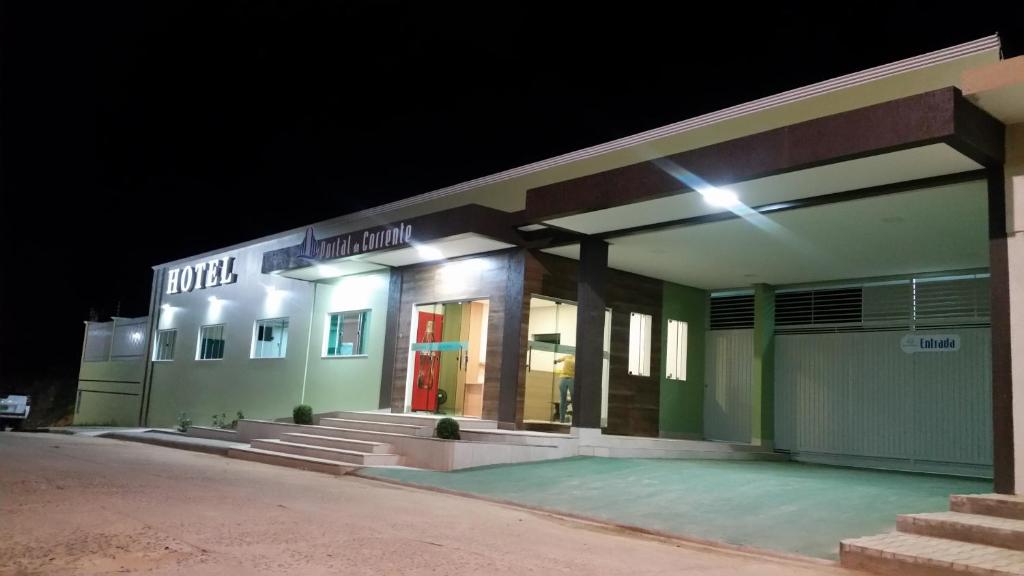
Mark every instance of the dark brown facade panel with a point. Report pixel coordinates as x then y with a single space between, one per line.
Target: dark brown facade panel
979 136
425 284
515 341
633 401
590 317
1002 368
387 373
889 126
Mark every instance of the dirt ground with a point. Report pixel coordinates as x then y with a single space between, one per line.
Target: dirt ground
81 505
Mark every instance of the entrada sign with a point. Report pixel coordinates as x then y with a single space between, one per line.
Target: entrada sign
203 275
912 343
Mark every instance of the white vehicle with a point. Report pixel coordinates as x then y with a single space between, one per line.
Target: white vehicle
13 411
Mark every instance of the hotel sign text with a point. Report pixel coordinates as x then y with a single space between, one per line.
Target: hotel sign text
203 275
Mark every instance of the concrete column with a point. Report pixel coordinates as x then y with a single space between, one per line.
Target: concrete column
592 284
762 399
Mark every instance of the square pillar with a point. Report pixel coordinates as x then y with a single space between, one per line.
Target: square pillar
762 398
591 297
1006 252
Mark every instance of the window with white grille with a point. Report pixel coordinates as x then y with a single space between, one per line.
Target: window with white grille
640 344
211 342
163 349
675 353
270 338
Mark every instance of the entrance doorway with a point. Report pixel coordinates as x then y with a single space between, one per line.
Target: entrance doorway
448 358
550 362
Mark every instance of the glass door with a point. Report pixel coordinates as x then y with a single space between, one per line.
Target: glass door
448 356
551 362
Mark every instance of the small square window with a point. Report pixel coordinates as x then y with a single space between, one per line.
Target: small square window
640 344
211 342
346 334
675 355
270 338
164 349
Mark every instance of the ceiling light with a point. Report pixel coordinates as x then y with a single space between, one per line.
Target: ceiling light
719 197
428 252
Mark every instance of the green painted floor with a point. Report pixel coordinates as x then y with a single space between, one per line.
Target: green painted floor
800 508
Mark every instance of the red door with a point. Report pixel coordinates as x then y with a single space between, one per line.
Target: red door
427 364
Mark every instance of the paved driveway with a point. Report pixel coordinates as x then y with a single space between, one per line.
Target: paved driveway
786 506
78 505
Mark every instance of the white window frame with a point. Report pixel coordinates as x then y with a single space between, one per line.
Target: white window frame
159 341
255 335
364 325
640 344
677 341
199 342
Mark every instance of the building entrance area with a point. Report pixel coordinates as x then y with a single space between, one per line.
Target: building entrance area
551 362
448 356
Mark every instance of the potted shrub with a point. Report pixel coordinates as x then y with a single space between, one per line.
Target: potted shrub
302 414
447 429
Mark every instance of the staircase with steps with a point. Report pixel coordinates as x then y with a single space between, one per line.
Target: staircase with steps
342 441
981 534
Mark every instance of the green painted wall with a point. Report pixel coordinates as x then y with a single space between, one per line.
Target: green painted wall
762 400
682 402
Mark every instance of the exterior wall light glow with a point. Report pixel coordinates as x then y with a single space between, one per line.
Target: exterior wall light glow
719 197
328 271
136 337
429 252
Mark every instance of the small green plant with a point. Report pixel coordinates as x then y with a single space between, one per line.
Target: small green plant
184 422
447 429
302 414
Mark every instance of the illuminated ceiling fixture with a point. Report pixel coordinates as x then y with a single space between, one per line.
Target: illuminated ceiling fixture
429 252
328 271
719 197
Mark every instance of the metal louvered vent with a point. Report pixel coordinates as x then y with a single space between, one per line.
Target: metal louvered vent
828 307
911 303
951 301
731 312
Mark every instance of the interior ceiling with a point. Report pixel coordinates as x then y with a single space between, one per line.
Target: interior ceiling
935 229
900 166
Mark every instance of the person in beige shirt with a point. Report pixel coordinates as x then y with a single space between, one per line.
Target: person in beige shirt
566 368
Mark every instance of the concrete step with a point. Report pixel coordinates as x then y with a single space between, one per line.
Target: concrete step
338 442
899 554
394 428
415 418
323 453
976 528
290 460
1001 505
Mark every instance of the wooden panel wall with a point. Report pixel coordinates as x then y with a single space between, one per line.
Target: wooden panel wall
633 401
483 277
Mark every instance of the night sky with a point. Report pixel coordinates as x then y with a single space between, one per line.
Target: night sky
143 132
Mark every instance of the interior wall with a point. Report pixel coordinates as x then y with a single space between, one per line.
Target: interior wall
682 402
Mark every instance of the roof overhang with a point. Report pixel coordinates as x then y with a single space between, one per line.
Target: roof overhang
942 119
462 231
